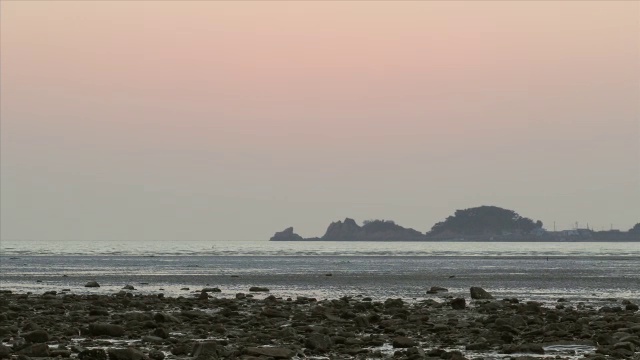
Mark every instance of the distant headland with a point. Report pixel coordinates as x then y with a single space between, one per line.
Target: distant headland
483 223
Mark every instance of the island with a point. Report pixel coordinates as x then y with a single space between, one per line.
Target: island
482 223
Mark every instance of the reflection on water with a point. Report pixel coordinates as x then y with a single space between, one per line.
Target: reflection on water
317 248
577 278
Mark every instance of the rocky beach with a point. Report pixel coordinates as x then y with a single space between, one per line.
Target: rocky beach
256 324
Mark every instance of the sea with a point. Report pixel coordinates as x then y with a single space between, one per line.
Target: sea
589 272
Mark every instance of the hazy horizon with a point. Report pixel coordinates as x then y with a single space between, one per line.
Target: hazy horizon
197 120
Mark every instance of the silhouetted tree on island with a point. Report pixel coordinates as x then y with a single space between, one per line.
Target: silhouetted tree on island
635 229
485 220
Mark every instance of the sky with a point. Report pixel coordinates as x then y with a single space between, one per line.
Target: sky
213 120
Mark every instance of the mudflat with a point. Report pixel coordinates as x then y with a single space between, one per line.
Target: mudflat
125 326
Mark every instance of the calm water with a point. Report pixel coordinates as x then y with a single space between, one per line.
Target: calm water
589 272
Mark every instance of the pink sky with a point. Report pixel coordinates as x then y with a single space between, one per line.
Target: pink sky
231 120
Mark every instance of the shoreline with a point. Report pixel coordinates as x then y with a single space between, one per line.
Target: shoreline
203 327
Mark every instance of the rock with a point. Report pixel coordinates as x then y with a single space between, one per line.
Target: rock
478 346
320 342
458 304
152 339
162 318
129 287
203 296
403 342
523 348
59 353
92 284
258 289
286 235
436 289
437 328
210 289
631 307
35 350
627 345
208 350
125 354
8 330
156 354
361 321
274 313
180 349
274 352
36 336
393 303
97 329
5 352
161 333
415 353
98 312
479 293
194 314
92 354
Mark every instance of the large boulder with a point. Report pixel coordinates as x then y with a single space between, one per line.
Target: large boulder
478 293
92 284
286 235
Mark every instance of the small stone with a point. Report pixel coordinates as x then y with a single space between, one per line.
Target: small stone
92 284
